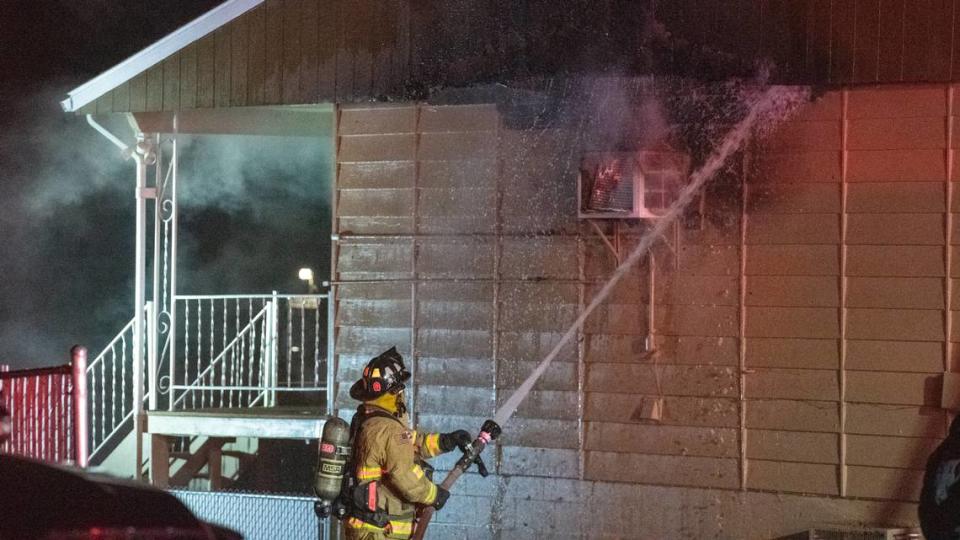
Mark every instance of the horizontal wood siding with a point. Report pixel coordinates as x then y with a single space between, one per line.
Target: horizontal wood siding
821 301
845 320
384 188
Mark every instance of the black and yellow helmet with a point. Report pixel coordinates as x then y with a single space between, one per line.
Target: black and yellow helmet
384 373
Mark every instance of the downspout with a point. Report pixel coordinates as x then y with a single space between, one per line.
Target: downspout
141 154
174 230
125 149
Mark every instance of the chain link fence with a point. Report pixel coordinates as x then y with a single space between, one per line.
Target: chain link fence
258 516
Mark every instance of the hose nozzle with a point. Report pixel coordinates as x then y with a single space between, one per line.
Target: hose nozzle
490 430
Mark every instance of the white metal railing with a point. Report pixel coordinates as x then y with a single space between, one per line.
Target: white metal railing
241 350
240 367
110 389
228 351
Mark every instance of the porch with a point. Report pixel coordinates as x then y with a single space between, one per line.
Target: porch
196 378
237 369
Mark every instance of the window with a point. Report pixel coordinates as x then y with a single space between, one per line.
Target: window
640 184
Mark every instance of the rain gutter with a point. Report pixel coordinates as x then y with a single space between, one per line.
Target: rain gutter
156 53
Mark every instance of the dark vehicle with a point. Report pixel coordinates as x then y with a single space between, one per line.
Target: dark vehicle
45 502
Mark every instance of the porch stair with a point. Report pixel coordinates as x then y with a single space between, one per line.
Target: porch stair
209 455
118 460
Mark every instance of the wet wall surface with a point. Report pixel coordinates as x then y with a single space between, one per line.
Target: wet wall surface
798 316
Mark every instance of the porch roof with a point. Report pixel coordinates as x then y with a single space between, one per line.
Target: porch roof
155 53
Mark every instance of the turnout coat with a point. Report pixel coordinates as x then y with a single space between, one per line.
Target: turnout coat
388 453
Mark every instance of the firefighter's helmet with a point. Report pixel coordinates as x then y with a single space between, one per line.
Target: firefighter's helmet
384 373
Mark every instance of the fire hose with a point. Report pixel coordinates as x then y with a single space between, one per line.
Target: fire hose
471 454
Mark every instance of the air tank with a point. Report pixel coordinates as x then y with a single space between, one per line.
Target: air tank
332 464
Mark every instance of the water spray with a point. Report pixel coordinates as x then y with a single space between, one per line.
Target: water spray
765 103
772 100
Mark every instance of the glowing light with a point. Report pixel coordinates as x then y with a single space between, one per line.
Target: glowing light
305 274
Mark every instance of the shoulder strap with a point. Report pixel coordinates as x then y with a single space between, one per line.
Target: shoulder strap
363 414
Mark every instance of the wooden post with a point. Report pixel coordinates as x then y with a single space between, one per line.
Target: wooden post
215 467
160 461
78 366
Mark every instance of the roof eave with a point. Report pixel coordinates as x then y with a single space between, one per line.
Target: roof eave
156 53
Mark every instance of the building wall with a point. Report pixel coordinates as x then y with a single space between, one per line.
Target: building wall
820 41
800 326
312 51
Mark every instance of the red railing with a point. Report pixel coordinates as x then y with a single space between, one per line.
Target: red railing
48 411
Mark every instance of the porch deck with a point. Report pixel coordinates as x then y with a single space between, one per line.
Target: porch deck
260 422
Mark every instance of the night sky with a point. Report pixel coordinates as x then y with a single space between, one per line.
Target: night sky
66 222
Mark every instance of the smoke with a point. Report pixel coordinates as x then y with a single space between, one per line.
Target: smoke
222 170
625 113
67 199
253 210
54 205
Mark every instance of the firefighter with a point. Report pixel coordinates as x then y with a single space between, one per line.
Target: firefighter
391 478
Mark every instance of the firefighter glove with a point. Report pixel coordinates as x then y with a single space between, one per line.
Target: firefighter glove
442 496
455 439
